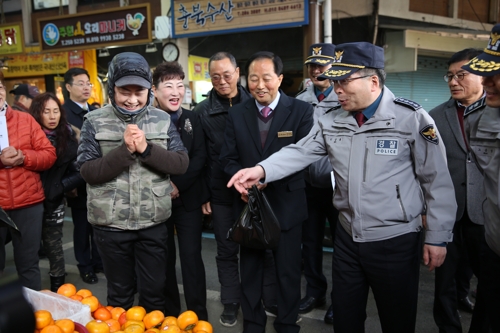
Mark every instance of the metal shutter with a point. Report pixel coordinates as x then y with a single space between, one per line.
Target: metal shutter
425 86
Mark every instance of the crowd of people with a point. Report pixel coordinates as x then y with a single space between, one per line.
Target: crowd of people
397 184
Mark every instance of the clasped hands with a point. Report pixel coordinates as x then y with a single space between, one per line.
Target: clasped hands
12 157
135 139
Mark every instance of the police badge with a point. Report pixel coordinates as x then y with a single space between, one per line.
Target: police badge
188 127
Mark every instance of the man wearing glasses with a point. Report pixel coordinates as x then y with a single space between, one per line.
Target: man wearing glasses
388 162
213 111
77 82
449 295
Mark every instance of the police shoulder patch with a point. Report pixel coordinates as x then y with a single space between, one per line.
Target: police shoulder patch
408 103
429 134
301 92
475 106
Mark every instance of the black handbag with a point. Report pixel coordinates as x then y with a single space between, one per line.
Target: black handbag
257 227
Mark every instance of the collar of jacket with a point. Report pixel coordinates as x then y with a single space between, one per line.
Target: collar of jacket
129 118
215 104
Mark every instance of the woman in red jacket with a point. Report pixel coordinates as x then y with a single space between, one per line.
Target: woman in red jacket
21 193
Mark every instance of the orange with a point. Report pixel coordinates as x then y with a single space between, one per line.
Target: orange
76 297
66 325
102 314
84 293
97 326
136 313
67 289
187 320
153 319
134 329
109 307
203 327
169 321
116 312
133 322
92 302
43 318
114 325
153 330
51 329
171 329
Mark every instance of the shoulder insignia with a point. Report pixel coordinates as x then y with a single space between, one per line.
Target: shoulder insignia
301 92
429 134
336 107
475 106
408 103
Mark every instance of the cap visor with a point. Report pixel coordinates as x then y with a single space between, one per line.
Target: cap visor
338 73
483 65
133 80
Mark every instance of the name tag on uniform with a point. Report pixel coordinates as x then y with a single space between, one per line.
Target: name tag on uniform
386 147
285 134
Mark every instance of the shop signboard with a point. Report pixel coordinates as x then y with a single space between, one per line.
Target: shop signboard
192 18
129 25
37 64
11 39
198 68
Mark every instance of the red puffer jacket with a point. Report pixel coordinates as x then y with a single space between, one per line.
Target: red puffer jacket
20 186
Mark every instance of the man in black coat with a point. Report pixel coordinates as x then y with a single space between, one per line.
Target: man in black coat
256 129
213 111
77 81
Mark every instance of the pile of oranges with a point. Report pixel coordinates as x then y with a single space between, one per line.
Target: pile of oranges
108 319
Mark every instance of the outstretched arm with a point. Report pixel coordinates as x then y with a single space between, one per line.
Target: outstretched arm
245 178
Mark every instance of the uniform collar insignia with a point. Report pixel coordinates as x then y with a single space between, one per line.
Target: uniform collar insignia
475 106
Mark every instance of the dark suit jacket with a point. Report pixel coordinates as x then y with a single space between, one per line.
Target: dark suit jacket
191 184
74 116
242 149
467 179
74 113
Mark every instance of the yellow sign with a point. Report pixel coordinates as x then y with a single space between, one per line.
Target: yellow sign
192 18
11 39
37 64
198 68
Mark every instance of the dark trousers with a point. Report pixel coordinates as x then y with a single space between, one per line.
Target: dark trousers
490 285
467 242
133 261
287 264
319 207
26 244
86 253
189 227
52 233
223 217
389 267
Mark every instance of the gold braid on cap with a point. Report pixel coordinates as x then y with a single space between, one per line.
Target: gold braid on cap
483 66
492 52
347 65
336 73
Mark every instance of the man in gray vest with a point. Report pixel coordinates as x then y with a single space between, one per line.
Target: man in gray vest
465 89
319 191
482 125
127 152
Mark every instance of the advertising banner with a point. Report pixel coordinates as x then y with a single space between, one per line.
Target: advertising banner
11 38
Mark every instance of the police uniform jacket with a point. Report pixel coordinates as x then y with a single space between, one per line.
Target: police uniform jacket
482 125
318 173
388 172
466 177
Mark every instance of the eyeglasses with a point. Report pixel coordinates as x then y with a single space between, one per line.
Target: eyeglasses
226 76
457 77
345 82
83 85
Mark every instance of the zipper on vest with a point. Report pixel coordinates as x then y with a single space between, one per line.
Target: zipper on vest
398 193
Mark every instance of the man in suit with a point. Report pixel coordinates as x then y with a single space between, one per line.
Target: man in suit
255 129
466 89
77 82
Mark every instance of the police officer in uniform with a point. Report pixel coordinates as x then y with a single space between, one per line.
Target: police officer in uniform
388 164
482 127
319 189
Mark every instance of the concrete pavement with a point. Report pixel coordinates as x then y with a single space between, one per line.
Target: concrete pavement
311 322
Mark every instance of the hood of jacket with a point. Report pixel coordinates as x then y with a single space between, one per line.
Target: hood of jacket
126 64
